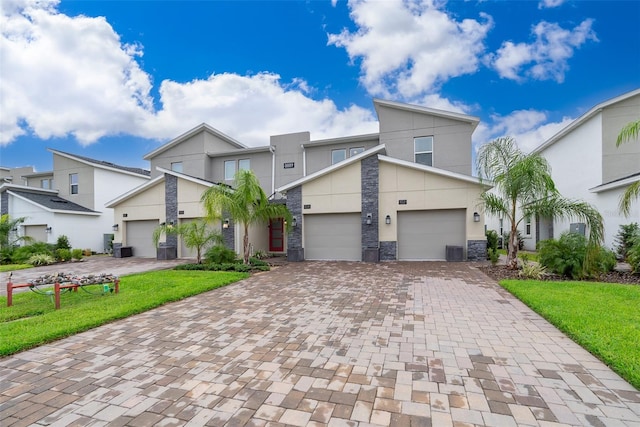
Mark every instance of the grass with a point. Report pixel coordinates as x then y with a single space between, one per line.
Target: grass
604 318
11 267
33 321
528 255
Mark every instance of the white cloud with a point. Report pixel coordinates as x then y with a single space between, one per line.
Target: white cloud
549 4
546 57
408 48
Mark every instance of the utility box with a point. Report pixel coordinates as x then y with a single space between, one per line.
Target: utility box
454 253
578 228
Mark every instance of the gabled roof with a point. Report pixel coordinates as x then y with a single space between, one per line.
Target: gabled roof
188 134
51 202
102 164
472 120
353 159
435 171
142 188
583 118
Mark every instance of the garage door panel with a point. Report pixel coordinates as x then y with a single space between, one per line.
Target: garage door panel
333 237
424 235
140 237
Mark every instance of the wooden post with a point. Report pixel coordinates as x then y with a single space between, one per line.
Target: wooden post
9 293
116 285
56 290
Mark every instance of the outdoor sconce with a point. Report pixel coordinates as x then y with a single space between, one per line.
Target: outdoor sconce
369 216
115 227
476 217
171 222
294 222
48 229
387 220
225 224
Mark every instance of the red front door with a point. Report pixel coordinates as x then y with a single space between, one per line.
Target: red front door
276 235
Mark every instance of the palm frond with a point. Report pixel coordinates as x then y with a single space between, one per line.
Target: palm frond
628 133
631 194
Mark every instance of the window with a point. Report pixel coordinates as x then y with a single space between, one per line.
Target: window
229 170
45 183
338 155
176 166
356 150
73 183
527 226
501 226
244 164
423 149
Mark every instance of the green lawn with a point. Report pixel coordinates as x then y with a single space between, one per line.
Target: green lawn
12 267
603 318
32 320
522 254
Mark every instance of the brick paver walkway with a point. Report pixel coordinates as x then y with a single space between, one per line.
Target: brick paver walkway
310 344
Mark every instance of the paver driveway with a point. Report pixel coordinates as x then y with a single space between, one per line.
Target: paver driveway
406 344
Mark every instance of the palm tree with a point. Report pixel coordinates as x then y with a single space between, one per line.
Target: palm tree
195 234
629 132
246 203
523 188
8 227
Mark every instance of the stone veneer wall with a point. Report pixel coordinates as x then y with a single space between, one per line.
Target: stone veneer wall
229 234
388 251
170 248
4 203
295 251
476 250
369 190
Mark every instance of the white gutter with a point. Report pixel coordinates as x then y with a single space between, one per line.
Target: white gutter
304 160
273 169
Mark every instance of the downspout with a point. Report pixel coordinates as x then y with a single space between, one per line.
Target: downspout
273 170
304 160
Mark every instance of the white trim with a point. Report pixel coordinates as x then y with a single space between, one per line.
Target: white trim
615 184
342 140
583 118
240 151
29 189
473 120
60 211
436 171
329 169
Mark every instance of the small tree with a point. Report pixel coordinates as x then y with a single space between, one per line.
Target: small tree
246 203
523 188
625 239
8 231
195 234
629 132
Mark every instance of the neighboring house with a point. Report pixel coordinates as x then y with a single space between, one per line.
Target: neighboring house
586 165
406 192
69 200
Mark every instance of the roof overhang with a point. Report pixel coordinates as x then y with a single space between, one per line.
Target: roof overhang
620 183
250 150
97 165
472 120
342 140
47 209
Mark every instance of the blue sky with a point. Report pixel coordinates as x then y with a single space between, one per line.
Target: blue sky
113 80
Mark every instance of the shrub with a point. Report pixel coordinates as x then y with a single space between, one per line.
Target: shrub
532 270
564 256
633 256
606 260
261 255
77 254
63 242
40 259
257 262
22 254
220 254
63 254
87 252
625 238
494 255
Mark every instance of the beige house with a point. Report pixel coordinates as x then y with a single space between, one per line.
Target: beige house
405 192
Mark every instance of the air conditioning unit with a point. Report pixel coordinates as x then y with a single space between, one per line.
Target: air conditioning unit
454 253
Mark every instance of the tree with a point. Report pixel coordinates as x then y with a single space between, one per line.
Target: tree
195 234
627 133
246 204
523 188
8 235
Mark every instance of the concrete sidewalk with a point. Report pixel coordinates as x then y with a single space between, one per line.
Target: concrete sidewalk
323 344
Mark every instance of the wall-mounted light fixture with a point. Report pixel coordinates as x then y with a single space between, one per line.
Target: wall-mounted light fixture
387 219
369 218
225 224
294 222
476 217
171 222
115 227
162 224
47 229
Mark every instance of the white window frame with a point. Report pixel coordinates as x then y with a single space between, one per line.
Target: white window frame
73 183
338 150
45 183
244 164
177 167
527 226
416 140
229 170
355 151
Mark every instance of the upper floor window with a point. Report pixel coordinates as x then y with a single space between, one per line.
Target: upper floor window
338 155
45 183
176 166
355 150
229 170
527 226
244 164
73 183
423 150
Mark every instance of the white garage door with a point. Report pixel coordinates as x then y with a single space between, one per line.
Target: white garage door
333 237
140 238
186 252
424 235
37 232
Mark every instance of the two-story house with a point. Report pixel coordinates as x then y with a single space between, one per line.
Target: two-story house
69 200
586 165
406 192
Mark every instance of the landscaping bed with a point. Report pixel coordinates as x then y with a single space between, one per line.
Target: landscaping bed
502 272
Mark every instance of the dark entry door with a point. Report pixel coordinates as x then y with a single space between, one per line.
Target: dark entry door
276 235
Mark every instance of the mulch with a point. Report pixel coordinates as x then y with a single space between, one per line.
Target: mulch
501 272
